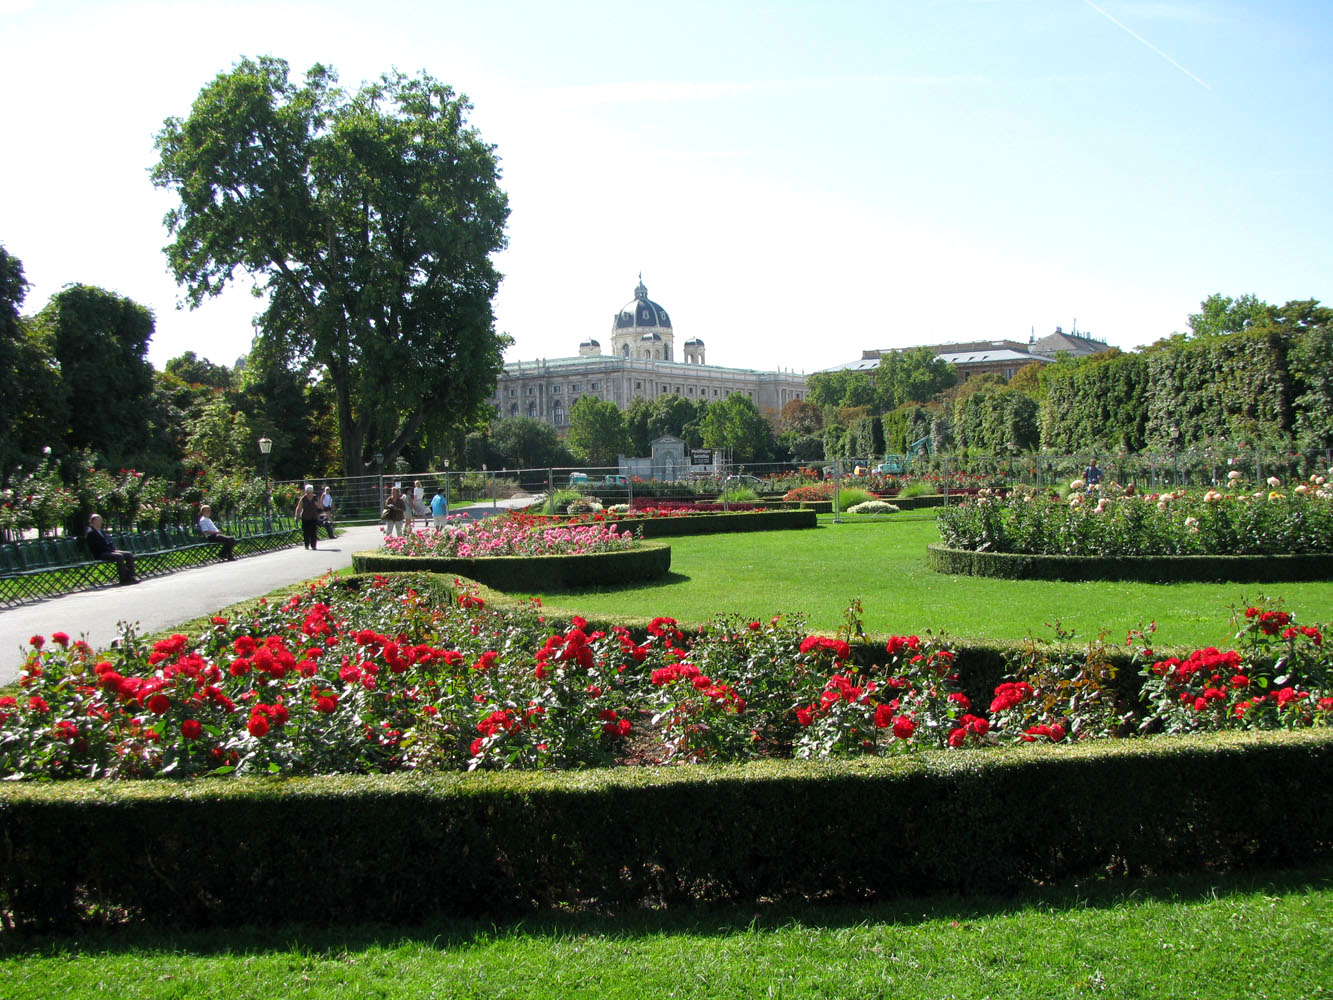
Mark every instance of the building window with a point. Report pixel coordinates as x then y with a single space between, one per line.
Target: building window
638 385
513 392
558 413
531 390
513 409
661 388
577 386
555 389
532 409
595 386
714 392
691 390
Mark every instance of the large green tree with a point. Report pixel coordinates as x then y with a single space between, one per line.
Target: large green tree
367 218
597 431
32 407
736 424
100 341
527 443
915 375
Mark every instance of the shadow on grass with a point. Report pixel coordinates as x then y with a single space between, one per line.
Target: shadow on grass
700 921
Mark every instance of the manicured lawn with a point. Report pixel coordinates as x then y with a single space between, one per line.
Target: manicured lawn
818 572
1222 937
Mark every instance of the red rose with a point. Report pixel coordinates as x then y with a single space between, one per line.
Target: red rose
903 727
258 726
191 729
60 638
158 704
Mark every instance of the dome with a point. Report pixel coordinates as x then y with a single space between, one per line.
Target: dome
642 312
590 342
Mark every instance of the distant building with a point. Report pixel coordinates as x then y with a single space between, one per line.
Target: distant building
642 365
1001 357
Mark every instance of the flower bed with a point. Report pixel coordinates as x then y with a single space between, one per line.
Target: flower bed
512 535
1181 523
390 674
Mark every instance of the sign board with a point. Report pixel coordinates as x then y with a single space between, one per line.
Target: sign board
701 456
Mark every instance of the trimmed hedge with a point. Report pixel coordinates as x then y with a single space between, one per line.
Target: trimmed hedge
355 849
707 524
646 561
1149 569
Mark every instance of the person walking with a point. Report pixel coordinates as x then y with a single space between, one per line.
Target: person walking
210 531
307 512
102 547
326 511
395 512
439 509
1092 476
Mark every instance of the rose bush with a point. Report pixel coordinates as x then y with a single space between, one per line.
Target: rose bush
1115 523
511 535
390 674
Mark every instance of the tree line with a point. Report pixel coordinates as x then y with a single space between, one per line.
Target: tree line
1245 375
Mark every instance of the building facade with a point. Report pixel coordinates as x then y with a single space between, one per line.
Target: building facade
642 365
1000 357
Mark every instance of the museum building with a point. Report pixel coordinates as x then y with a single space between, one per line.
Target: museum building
642 365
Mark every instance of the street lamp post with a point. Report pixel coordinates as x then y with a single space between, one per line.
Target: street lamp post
446 488
265 446
379 475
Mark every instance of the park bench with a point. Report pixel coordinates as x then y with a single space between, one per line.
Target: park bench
37 568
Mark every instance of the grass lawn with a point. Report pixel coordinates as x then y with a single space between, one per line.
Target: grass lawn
882 562
1225 937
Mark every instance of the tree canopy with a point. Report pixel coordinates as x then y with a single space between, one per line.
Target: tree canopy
736 424
367 218
597 431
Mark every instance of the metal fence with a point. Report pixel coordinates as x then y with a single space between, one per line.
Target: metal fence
362 497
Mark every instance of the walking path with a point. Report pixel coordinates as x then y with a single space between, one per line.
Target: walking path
164 601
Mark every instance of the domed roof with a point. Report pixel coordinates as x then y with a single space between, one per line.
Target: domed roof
642 312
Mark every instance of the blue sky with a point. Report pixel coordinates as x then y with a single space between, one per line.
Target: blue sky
795 181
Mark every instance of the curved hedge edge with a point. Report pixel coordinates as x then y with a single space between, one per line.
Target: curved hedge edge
1147 569
1014 817
646 561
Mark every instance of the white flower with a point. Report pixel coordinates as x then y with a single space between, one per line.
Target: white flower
1192 523
1274 482
1076 500
1302 489
1233 475
1079 484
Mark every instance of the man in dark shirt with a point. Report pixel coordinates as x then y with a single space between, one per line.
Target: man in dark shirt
102 547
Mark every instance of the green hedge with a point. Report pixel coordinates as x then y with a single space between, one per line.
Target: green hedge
1149 569
403 848
722 521
646 561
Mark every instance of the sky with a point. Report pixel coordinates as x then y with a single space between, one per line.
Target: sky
796 182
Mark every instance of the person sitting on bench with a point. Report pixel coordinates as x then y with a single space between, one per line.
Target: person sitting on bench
211 532
102 547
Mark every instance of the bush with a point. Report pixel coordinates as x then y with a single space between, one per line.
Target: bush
741 834
917 488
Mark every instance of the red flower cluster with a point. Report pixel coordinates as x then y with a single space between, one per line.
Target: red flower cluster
822 644
1009 695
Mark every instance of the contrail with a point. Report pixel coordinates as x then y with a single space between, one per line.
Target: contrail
1134 34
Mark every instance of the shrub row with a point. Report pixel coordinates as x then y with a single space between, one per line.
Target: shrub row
708 524
646 561
1149 569
357 849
